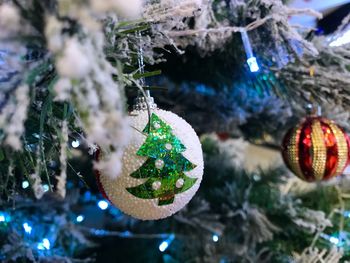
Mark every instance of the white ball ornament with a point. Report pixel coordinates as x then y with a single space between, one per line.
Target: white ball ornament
162 166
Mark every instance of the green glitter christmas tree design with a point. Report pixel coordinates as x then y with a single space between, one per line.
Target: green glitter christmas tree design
165 166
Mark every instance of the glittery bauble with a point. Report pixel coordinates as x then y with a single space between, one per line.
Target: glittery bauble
162 167
316 149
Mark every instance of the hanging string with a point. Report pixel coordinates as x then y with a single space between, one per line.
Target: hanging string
146 94
140 59
313 107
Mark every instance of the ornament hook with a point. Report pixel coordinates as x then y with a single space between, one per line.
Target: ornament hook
314 110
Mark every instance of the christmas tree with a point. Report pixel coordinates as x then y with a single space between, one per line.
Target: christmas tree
165 166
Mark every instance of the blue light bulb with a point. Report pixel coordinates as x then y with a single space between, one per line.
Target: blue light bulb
2 217
46 187
102 204
80 218
251 60
165 244
44 244
27 228
253 64
75 144
25 184
334 240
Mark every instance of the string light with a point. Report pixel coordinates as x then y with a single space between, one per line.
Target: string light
46 187
27 228
102 204
4 217
75 144
25 184
165 244
251 59
44 244
80 218
253 64
215 238
347 213
334 240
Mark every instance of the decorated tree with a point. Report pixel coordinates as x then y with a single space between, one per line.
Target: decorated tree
166 166
229 67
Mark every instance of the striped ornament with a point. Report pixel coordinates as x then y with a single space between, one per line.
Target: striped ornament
317 149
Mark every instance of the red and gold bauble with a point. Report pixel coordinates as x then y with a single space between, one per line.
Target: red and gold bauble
316 149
